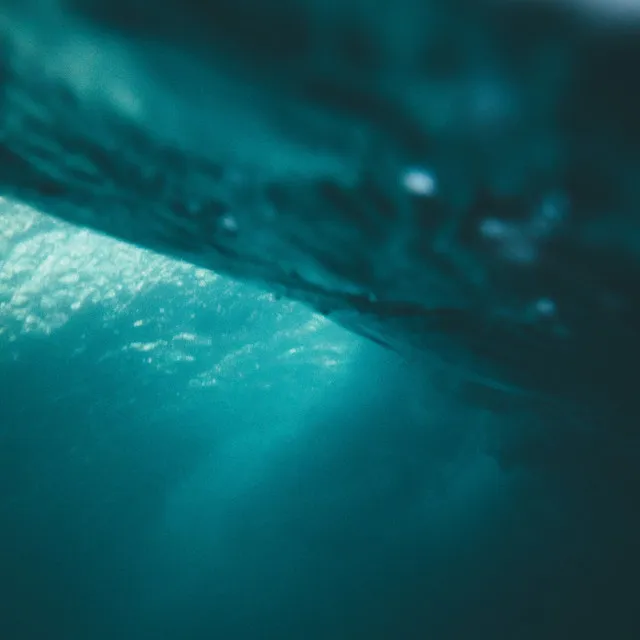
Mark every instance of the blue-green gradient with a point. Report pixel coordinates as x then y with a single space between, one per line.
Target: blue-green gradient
185 457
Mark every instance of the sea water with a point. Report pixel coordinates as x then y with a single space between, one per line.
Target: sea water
185 456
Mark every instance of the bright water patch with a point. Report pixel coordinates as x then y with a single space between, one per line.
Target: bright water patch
176 319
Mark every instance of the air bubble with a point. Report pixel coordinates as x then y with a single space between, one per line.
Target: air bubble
229 223
419 182
545 307
552 212
493 228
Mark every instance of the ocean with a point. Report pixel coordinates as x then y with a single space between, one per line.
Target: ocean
319 320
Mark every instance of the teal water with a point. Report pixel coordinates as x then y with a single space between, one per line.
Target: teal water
189 456
185 456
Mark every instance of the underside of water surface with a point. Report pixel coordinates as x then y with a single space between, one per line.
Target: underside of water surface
319 319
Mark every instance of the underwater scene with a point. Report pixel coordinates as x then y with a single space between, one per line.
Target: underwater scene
319 320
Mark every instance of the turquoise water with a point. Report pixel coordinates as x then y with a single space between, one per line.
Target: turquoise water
188 456
184 456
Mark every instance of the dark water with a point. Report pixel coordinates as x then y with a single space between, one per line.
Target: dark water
201 449
335 491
